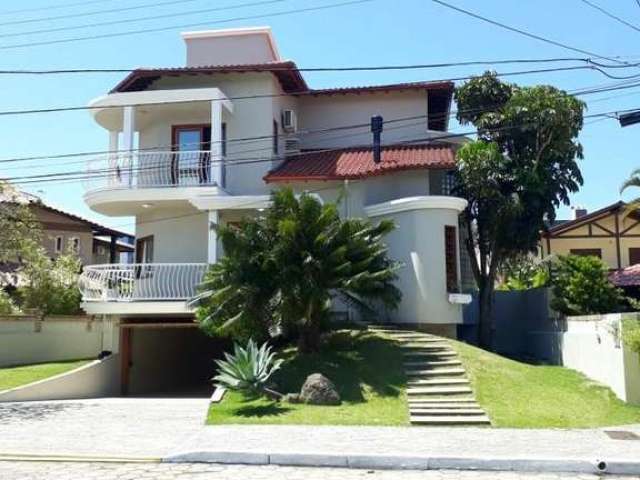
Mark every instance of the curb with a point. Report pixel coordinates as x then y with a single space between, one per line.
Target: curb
74 458
398 462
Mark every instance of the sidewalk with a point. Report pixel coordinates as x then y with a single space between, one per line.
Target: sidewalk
171 430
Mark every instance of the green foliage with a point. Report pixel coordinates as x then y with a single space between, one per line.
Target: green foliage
18 226
581 286
523 273
523 166
281 271
631 333
248 370
50 285
7 306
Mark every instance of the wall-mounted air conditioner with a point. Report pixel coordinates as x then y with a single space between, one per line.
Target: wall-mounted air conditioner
289 121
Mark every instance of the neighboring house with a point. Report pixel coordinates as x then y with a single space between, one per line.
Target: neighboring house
205 144
611 233
94 243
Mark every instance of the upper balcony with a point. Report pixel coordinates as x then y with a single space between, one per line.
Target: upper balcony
157 139
121 183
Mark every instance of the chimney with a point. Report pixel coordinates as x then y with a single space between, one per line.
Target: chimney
579 212
233 46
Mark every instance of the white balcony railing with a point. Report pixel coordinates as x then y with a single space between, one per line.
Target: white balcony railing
140 282
152 169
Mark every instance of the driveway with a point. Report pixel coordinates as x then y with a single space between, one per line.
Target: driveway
108 426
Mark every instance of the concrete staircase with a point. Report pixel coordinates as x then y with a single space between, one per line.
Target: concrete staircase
438 391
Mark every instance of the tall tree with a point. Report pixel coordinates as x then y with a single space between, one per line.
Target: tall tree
521 168
19 228
283 270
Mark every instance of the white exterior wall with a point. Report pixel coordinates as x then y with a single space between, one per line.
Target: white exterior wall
418 242
592 345
251 118
26 340
179 235
342 110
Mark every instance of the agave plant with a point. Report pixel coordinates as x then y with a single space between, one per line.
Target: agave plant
248 370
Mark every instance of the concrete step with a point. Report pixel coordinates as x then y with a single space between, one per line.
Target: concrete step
441 390
432 363
447 406
434 372
446 411
426 345
401 337
434 355
438 381
469 420
439 401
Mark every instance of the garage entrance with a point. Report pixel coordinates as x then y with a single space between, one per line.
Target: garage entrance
168 358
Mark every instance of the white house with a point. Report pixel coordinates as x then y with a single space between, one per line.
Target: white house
207 142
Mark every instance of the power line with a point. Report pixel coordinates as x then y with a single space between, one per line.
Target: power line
138 19
610 15
298 94
53 7
580 92
525 33
188 25
94 12
108 172
418 66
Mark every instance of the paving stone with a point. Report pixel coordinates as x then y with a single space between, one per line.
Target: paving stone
85 471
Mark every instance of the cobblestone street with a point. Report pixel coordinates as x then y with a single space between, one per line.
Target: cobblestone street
200 471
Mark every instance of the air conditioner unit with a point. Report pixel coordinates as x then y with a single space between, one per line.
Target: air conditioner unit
289 121
291 145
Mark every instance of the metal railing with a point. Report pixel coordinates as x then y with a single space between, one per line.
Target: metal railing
140 281
151 169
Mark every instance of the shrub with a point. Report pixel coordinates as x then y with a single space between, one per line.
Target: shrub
282 271
50 285
631 333
248 370
581 286
523 273
7 306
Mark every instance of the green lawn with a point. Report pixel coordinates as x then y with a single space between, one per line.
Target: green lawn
11 377
366 368
517 394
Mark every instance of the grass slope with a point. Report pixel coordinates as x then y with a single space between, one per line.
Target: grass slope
517 394
11 377
366 368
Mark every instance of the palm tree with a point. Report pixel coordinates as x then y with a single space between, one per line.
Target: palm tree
283 271
632 181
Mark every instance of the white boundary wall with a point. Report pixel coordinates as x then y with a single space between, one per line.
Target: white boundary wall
593 345
27 339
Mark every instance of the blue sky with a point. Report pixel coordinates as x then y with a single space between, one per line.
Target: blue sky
378 32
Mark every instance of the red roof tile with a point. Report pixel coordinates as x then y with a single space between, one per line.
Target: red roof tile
352 163
626 277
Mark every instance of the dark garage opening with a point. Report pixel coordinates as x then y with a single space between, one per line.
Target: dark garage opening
170 359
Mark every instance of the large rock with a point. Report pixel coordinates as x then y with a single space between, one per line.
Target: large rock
319 390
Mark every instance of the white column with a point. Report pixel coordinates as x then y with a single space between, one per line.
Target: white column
216 139
113 157
212 255
128 136
128 127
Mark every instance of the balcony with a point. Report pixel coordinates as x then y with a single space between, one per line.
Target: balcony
139 283
120 184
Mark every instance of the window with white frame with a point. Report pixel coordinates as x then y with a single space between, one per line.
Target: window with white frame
58 243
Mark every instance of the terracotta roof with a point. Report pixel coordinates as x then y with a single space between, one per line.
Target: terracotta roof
563 225
352 163
10 194
287 74
446 86
626 277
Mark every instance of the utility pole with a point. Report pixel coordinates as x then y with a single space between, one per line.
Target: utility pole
376 128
